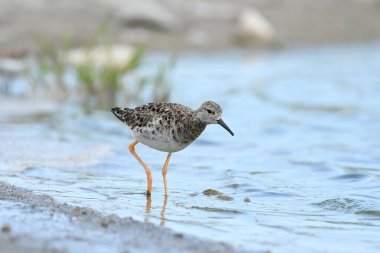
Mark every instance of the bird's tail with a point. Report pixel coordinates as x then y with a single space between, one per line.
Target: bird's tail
121 113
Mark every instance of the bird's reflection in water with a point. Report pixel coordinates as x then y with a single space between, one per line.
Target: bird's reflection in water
162 223
148 209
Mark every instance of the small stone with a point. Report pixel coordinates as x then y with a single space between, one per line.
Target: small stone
235 186
225 198
247 200
104 224
211 192
252 27
6 228
178 235
148 15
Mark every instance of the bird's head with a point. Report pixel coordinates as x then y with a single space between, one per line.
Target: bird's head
210 113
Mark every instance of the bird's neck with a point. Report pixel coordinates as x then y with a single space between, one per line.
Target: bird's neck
196 127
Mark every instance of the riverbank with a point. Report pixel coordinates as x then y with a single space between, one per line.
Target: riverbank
174 25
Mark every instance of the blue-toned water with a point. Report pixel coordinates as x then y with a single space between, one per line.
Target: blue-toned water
301 174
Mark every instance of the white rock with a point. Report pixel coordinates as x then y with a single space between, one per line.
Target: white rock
147 14
116 55
253 27
9 66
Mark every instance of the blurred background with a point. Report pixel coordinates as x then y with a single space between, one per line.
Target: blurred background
299 84
55 44
197 24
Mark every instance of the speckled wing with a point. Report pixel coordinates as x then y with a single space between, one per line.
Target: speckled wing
163 126
123 114
142 115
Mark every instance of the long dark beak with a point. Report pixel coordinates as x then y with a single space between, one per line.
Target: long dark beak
221 122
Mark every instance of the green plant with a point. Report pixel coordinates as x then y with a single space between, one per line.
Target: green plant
95 76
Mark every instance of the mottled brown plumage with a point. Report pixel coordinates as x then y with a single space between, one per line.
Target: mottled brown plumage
168 127
173 120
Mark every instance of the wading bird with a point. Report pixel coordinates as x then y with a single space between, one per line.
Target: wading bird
167 127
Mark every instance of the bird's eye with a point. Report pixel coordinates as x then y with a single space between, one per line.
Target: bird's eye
209 111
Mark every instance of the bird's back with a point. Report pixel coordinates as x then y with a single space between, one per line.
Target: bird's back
163 126
142 115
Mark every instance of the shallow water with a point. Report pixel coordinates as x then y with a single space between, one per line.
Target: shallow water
301 174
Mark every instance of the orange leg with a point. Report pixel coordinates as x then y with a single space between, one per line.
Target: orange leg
164 170
147 170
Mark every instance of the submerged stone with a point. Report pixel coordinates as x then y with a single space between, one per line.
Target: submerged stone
225 197
6 228
212 192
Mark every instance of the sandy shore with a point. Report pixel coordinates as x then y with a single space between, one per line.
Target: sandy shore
173 24
38 223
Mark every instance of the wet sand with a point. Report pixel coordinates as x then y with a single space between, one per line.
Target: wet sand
38 223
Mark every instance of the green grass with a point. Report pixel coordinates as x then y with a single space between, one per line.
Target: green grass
96 86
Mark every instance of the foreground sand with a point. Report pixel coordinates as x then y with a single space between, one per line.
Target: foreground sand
38 223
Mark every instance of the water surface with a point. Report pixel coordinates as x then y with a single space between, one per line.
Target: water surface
301 174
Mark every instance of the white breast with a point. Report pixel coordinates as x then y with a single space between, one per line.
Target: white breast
162 141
